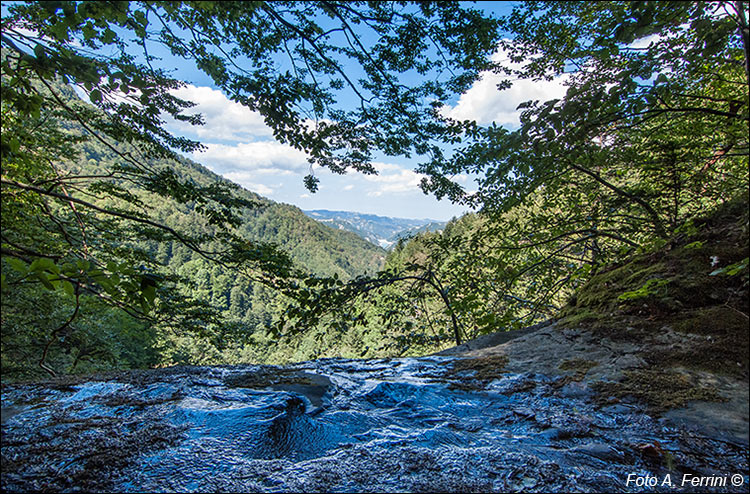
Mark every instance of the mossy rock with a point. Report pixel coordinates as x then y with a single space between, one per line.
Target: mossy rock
674 287
712 321
720 343
572 317
660 390
476 373
604 288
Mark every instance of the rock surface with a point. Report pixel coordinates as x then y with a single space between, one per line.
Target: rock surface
430 424
544 348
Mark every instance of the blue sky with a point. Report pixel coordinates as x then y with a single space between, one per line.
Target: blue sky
241 148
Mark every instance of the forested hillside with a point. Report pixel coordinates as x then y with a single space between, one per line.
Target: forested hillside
651 134
243 309
701 267
318 248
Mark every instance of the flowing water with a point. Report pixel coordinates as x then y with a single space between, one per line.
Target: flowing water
346 426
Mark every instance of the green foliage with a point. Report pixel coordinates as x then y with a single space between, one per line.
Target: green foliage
733 269
652 131
644 138
285 60
648 136
83 183
99 338
674 286
99 211
206 312
653 286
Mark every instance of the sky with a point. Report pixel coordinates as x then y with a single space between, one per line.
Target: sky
241 148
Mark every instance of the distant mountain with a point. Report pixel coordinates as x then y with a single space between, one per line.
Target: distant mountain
380 230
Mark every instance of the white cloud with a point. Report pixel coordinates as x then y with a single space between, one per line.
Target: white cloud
245 179
253 164
238 144
262 157
251 152
485 103
392 179
273 171
224 119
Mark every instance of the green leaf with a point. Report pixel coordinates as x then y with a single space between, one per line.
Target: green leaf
108 36
68 288
114 279
149 292
45 281
140 17
14 145
95 96
44 264
732 269
96 274
18 265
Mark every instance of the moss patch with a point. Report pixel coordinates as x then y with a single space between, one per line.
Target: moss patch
721 356
476 373
712 321
635 300
579 366
660 390
677 276
720 342
572 317
604 289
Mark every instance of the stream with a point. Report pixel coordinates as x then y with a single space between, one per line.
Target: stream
412 424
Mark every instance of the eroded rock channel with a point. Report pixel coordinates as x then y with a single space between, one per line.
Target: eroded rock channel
415 424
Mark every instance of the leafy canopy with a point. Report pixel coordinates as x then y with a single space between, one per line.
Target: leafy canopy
646 81
340 80
290 61
653 130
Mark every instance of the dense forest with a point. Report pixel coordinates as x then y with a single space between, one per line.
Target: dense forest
248 307
119 253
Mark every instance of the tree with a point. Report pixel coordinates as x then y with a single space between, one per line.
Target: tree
291 61
635 68
652 131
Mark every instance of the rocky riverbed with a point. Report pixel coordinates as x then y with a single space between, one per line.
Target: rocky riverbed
488 418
